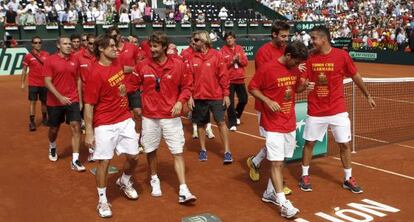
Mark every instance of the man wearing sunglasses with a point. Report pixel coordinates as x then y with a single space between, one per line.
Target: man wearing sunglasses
211 91
165 88
186 54
86 59
109 124
34 60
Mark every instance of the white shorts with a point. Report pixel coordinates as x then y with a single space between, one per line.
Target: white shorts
262 131
170 129
316 127
280 145
120 137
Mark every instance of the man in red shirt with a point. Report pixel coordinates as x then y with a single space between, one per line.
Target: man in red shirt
109 124
34 60
187 54
166 87
236 61
130 55
327 67
211 91
269 52
64 97
275 84
84 39
75 40
86 60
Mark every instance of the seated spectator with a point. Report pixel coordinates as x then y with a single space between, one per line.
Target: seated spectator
201 18
186 18
3 11
40 17
147 13
32 6
136 15
177 16
10 17
28 18
13 5
141 6
182 8
124 17
59 6
21 15
223 14
73 15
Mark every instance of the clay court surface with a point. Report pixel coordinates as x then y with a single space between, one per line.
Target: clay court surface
35 189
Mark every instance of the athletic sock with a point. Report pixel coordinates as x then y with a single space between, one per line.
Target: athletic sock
348 173
75 156
270 188
194 127
281 197
102 195
259 157
154 177
52 145
208 127
125 178
183 187
305 170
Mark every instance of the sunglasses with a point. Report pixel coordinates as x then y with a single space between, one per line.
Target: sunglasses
157 84
36 42
84 40
196 39
90 43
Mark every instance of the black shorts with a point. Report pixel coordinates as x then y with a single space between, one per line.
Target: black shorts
134 100
202 108
37 93
59 114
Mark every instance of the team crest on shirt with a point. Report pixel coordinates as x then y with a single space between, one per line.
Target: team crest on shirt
208 64
122 90
322 80
72 63
288 93
169 76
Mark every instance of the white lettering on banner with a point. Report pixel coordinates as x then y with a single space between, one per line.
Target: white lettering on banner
362 211
11 61
341 214
373 205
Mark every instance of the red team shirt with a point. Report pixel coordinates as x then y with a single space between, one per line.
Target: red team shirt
65 73
236 71
36 78
328 71
106 90
175 85
268 52
187 53
279 84
85 60
210 76
130 55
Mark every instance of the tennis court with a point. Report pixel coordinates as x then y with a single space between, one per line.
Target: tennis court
35 189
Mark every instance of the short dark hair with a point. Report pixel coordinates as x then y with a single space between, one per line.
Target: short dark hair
111 29
279 26
74 36
297 50
102 41
36 37
322 30
232 34
159 37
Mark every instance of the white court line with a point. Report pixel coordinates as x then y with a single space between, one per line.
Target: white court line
378 169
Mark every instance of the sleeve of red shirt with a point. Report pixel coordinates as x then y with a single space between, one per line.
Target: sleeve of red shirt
258 61
135 79
350 68
223 76
47 69
26 60
186 84
255 82
92 89
243 58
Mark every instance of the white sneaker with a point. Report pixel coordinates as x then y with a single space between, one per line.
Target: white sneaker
288 210
77 166
209 133
156 188
238 121
104 210
195 134
233 128
185 196
53 155
90 155
128 190
270 197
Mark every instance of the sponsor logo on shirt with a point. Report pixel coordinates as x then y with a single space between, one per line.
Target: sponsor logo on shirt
72 63
84 65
